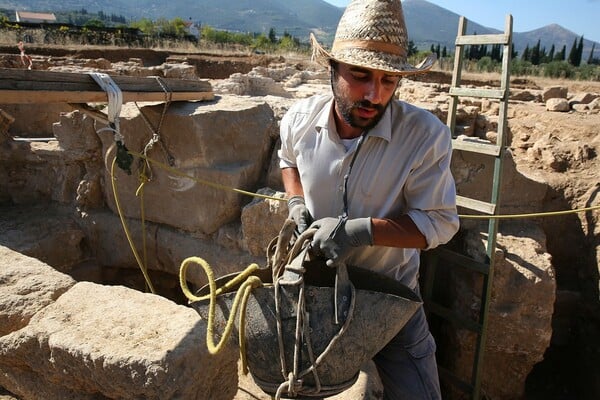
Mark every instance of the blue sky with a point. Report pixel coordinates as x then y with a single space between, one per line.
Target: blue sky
579 16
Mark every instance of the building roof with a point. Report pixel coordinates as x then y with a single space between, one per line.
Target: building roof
21 15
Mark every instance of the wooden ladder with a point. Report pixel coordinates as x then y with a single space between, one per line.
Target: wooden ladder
443 256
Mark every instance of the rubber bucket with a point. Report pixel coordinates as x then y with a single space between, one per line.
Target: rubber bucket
338 335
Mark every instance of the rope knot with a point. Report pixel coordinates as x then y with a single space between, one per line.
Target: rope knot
294 385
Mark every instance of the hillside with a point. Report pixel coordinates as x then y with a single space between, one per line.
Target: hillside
427 23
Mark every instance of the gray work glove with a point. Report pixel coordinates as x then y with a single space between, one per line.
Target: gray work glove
335 237
299 213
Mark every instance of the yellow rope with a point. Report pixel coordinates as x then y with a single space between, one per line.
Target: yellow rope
202 181
531 215
126 229
240 301
140 192
247 193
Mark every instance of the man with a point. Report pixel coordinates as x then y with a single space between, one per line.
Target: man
373 173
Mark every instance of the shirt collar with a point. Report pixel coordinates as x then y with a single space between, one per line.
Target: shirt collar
382 130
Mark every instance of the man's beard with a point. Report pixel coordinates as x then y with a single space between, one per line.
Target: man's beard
345 107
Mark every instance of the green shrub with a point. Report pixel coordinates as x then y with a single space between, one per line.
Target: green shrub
588 72
558 69
486 64
523 68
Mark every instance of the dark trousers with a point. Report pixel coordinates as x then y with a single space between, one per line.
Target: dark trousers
407 365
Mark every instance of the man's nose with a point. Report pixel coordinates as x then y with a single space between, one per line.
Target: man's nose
373 92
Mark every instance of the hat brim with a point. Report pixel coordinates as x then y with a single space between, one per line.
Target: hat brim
370 59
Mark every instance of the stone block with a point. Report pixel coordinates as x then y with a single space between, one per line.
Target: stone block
215 147
262 220
27 285
112 342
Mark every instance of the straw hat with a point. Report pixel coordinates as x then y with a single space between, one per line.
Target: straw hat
372 34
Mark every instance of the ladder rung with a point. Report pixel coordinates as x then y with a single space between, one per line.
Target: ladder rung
451 316
476 147
473 92
483 39
476 205
461 261
445 374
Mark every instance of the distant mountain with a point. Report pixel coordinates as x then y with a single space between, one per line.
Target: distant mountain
427 23
556 35
296 17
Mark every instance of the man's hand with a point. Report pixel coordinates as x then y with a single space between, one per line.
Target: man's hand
299 213
335 237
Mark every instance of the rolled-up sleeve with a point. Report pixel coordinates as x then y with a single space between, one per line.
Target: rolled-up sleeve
431 194
286 155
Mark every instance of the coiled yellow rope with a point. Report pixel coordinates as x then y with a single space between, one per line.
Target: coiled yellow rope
248 282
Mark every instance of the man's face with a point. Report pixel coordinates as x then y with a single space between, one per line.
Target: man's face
361 95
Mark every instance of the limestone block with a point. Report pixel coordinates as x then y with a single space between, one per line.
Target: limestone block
473 174
35 231
179 71
557 104
225 142
43 171
76 134
554 92
583 98
274 179
34 120
262 220
520 313
166 247
254 84
524 95
174 247
112 342
27 285
594 104
580 107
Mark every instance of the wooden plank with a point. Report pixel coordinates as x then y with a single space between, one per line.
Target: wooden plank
43 96
456 76
476 205
476 92
482 39
476 147
24 86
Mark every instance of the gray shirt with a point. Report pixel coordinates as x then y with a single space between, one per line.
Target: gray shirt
403 167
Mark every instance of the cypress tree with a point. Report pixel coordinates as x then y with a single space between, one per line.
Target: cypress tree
560 56
526 56
535 54
579 51
591 57
573 53
551 54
